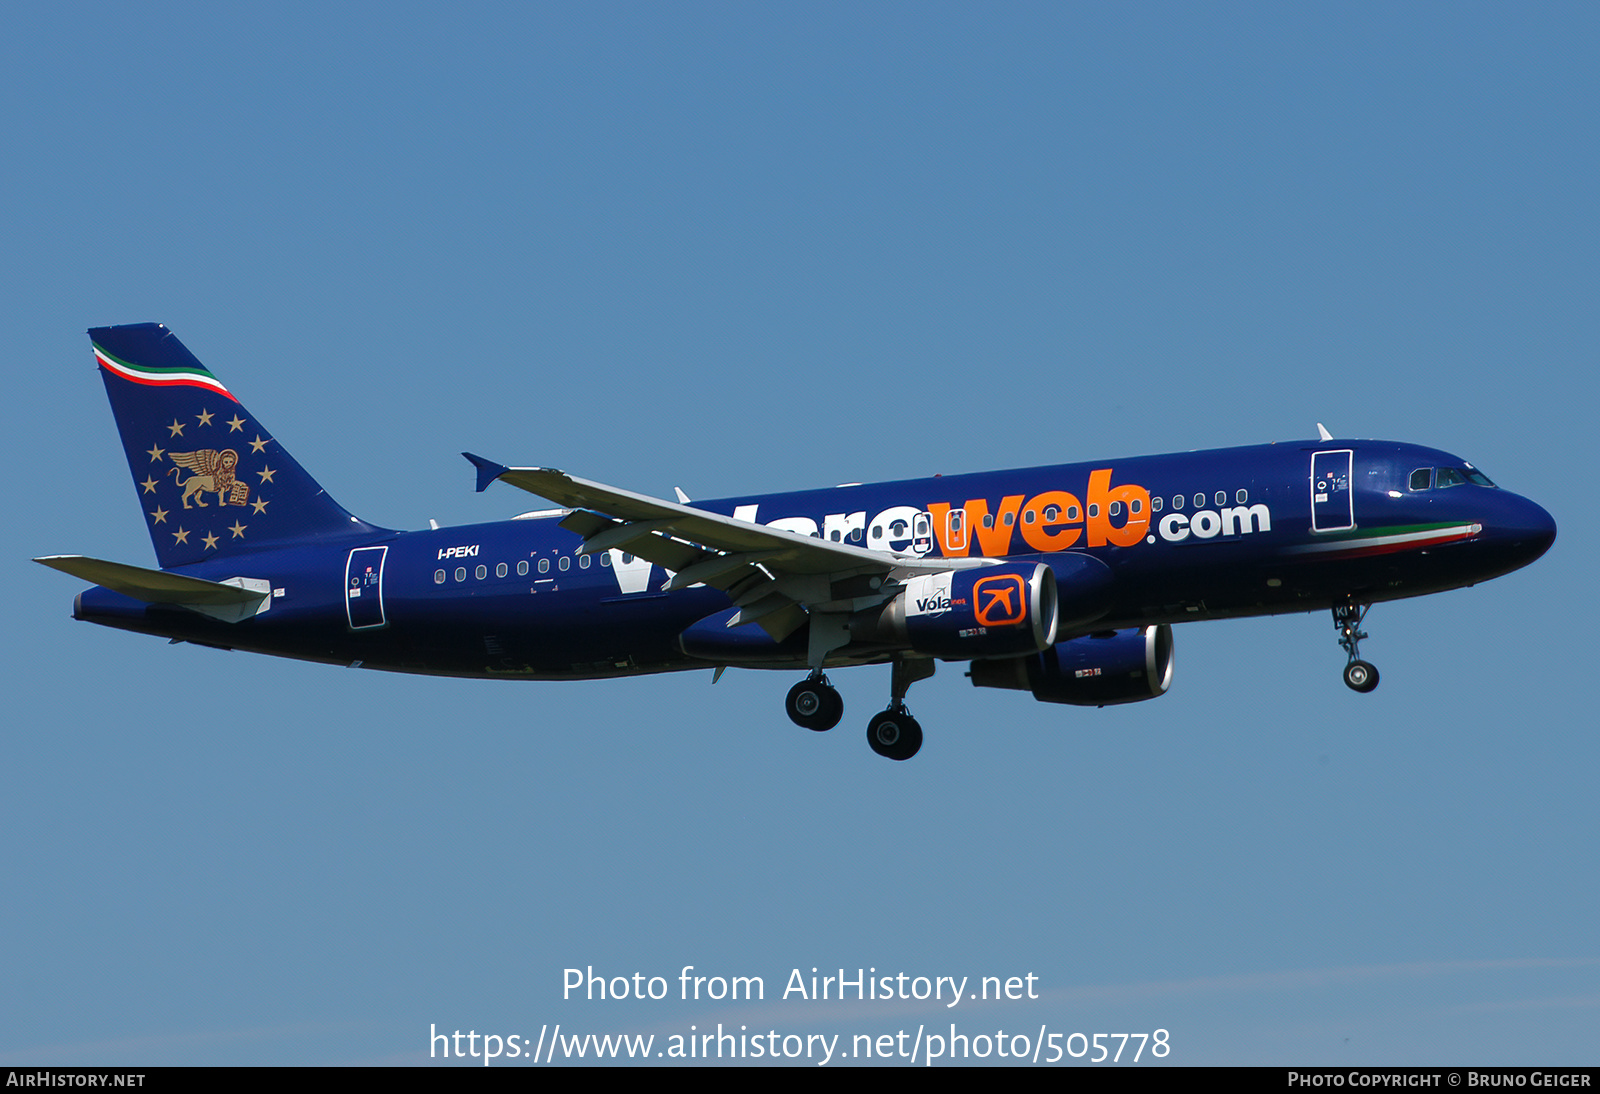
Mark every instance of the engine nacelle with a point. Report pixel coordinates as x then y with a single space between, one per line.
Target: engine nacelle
992 611
1096 670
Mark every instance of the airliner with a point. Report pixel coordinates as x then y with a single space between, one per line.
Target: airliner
1063 581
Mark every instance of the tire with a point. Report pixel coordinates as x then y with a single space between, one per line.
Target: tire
1360 676
832 710
894 734
814 705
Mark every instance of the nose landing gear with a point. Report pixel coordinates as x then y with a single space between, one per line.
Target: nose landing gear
1359 675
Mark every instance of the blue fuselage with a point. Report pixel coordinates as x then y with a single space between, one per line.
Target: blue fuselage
1296 526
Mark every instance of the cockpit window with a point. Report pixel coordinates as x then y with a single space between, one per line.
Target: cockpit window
1476 477
1422 478
1449 476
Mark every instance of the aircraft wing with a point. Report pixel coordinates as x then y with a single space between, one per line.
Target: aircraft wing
773 576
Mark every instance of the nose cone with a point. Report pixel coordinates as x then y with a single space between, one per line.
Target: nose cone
1538 531
1521 530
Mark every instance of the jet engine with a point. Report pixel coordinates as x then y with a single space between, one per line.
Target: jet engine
1093 671
995 611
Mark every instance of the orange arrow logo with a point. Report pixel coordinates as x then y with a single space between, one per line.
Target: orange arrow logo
1000 600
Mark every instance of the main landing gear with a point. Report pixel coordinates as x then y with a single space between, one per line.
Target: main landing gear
893 733
814 704
1359 675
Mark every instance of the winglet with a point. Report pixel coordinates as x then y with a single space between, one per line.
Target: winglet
488 470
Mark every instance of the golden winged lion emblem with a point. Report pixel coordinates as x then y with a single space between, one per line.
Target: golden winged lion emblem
212 472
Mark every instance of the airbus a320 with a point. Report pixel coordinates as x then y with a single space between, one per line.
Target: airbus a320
1063 581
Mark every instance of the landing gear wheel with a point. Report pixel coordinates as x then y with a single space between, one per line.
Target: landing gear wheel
1360 676
814 704
894 734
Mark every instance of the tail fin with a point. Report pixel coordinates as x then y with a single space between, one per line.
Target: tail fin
211 479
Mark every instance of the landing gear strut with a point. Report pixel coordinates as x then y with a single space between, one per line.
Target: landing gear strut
893 733
1359 675
814 704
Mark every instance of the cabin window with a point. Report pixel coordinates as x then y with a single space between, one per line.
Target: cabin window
1136 506
1155 505
605 559
1010 519
1030 517
836 535
544 565
1222 498
583 562
522 568
1116 508
501 569
1094 511
988 520
564 563
1242 496
438 577
461 573
1177 501
1199 501
481 572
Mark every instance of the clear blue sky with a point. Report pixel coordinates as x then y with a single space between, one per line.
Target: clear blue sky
739 248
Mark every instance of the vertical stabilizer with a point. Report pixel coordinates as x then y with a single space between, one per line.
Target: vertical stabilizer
210 478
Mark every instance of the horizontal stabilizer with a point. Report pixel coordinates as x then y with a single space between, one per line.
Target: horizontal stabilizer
231 601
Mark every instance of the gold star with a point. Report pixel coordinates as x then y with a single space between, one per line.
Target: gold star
237 529
160 514
204 416
181 536
211 541
236 425
259 506
258 444
149 485
155 452
266 474
176 427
